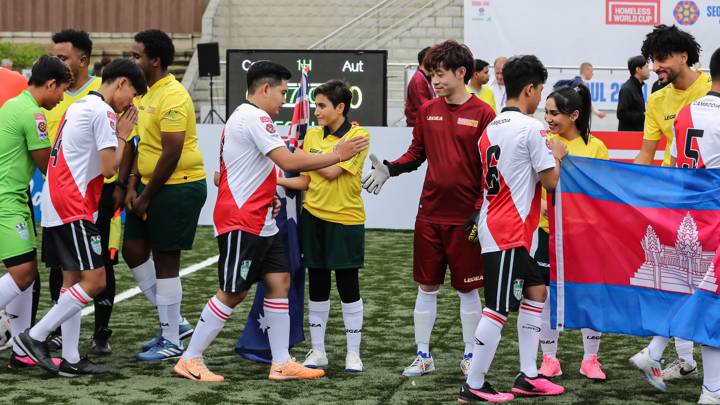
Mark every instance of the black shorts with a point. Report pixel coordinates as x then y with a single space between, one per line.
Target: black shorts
73 246
507 273
245 258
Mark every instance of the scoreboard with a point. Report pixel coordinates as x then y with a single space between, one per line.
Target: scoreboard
364 71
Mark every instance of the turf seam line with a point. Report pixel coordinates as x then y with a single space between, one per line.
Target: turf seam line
129 293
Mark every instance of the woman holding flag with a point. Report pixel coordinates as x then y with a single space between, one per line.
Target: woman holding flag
567 113
332 224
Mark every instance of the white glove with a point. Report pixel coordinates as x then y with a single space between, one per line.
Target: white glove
373 181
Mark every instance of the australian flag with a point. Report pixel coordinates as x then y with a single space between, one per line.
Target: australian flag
634 250
253 344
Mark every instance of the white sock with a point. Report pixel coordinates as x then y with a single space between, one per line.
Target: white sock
8 290
591 342
212 320
529 325
684 349
169 295
318 312
278 317
488 334
71 337
470 314
424 316
19 312
353 319
711 368
69 303
145 277
548 336
657 347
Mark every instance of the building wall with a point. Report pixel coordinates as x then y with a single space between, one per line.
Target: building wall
177 16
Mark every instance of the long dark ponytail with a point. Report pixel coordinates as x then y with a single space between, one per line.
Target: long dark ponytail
575 97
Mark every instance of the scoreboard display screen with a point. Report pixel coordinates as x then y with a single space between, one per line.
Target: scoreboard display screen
364 71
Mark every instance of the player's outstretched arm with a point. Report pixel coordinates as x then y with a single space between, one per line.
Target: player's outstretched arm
297 162
647 152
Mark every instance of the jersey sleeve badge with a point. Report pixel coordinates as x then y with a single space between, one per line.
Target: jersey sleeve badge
41 125
467 122
112 118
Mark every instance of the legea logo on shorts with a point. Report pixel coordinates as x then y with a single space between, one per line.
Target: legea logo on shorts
686 12
632 12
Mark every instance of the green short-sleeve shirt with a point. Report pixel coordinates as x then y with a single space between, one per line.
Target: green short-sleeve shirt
23 129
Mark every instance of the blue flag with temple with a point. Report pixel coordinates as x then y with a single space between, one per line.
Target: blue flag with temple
253 343
635 250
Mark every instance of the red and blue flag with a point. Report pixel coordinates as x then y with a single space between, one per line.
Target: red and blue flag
633 249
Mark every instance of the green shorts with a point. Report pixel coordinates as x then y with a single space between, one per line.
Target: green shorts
172 217
16 233
328 245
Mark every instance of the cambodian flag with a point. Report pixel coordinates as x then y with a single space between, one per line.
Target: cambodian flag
633 249
253 344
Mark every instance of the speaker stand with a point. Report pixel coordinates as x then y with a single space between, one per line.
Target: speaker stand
213 112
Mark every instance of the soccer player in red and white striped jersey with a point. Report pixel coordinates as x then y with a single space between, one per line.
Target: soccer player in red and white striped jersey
516 160
696 144
88 148
244 220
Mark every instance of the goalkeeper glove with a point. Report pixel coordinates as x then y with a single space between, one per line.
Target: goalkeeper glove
471 225
374 180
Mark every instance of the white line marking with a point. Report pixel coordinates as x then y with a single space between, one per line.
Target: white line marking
127 294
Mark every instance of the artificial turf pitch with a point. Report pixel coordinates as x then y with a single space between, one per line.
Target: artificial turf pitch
387 347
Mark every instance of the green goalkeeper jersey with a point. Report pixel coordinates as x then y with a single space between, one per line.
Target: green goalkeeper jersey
23 129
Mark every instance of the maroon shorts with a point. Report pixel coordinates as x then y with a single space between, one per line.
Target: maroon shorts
435 247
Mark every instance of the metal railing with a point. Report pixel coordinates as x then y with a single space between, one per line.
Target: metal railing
372 25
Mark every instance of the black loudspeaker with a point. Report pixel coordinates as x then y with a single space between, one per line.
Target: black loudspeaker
208 59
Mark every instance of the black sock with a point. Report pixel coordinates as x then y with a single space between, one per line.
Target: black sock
104 301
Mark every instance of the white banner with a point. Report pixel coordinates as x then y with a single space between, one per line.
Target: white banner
569 32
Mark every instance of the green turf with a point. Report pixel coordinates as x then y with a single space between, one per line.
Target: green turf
388 294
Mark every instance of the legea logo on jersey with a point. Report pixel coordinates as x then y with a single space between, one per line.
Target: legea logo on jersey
434 118
686 12
632 12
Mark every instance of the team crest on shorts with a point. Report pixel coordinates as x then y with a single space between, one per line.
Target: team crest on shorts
245 268
95 244
22 230
517 289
